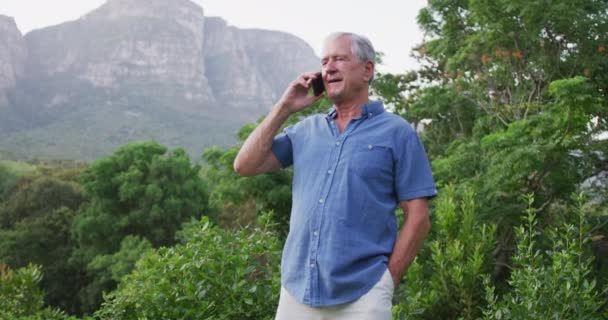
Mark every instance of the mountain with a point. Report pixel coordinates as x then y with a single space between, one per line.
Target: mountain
135 70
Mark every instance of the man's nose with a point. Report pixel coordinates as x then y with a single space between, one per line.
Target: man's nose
330 67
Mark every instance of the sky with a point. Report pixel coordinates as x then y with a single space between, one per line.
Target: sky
389 24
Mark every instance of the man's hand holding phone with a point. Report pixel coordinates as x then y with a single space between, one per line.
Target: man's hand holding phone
296 96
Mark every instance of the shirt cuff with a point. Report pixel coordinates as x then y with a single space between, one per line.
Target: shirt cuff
428 192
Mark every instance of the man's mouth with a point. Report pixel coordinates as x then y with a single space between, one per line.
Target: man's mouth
333 81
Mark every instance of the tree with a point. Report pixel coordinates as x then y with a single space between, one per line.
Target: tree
140 190
492 61
36 217
513 93
36 196
46 242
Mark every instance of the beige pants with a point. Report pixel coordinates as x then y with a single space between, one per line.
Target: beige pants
376 304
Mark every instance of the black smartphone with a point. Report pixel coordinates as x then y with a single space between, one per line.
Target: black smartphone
317 85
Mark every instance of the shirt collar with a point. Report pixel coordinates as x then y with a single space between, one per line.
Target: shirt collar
370 109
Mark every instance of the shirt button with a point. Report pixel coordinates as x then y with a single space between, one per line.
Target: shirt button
321 200
315 233
329 172
337 143
312 265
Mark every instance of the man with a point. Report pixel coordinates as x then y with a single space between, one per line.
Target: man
343 258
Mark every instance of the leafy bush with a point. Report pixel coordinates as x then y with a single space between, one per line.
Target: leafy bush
20 297
215 274
445 281
553 285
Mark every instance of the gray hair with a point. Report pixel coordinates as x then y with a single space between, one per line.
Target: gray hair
361 47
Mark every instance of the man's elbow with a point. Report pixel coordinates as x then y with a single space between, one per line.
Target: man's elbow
242 169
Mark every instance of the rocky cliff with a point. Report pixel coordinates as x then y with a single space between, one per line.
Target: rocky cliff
12 58
139 69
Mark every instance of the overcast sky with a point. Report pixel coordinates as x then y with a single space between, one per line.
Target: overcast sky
390 24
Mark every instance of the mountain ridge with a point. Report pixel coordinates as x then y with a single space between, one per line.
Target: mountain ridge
137 70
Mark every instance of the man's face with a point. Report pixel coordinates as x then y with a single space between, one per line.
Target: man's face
345 76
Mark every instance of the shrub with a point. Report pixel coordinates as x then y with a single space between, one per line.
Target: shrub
20 296
445 281
553 285
215 274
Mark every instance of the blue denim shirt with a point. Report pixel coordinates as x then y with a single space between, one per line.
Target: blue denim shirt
346 187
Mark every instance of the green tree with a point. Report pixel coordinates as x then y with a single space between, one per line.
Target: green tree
513 94
489 63
36 196
115 266
46 241
140 190
37 216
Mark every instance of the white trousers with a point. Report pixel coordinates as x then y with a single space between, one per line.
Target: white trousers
376 304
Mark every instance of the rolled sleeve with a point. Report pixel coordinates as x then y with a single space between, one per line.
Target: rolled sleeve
413 176
283 149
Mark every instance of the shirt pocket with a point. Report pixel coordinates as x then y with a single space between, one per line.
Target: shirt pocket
371 161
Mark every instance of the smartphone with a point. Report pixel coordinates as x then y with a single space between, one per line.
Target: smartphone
317 85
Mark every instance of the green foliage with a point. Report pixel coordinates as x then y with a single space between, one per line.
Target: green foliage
117 265
393 88
489 64
10 172
19 292
140 190
214 274
516 47
450 115
36 196
36 219
556 284
20 297
46 241
445 281
547 153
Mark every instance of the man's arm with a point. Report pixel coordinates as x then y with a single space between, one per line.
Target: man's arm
411 237
255 156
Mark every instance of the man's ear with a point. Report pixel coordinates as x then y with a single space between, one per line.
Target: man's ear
369 70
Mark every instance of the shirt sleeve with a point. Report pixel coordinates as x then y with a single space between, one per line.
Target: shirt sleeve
282 147
413 176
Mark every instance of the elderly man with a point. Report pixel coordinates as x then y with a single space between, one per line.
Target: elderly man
343 258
